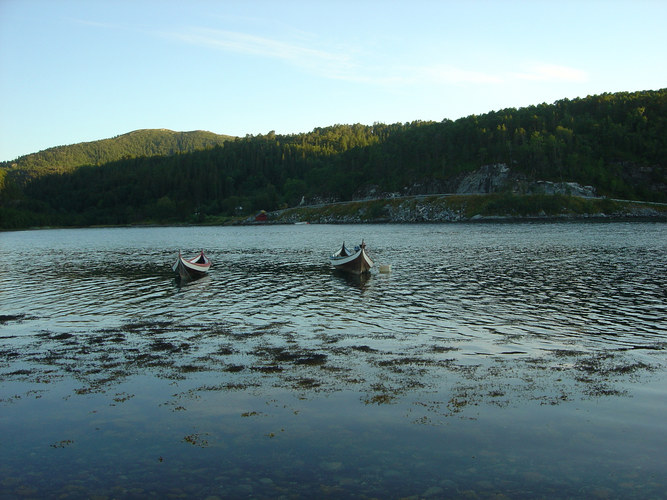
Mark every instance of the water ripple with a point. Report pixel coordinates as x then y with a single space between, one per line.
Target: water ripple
542 284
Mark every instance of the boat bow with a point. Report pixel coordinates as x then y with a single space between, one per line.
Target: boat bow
194 268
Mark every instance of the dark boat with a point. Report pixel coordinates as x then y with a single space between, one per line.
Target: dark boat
190 269
356 261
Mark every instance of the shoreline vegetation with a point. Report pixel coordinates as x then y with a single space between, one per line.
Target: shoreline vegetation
468 208
437 209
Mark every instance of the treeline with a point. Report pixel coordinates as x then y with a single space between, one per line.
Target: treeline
614 142
140 143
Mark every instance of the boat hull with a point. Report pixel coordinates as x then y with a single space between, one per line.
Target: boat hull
191 269
357 263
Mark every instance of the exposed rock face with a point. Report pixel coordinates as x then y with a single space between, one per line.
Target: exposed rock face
423 212
485 180
498 178
566 188
488 179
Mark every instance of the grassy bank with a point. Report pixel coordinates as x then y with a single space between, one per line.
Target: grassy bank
460 208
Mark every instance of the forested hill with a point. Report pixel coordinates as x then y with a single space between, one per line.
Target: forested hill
140 143
615 143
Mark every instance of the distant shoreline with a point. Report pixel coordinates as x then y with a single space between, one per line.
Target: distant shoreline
435 209
468 208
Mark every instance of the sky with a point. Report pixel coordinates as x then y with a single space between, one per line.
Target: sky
81 70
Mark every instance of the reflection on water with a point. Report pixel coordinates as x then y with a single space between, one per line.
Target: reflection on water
359 281
493 359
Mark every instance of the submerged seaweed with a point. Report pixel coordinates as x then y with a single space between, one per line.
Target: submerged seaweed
102 359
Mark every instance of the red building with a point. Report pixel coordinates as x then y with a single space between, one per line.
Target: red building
261 216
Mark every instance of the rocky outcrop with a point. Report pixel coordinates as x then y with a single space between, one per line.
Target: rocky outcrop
460 199
487 179
462 208
564 188
423 211
498 178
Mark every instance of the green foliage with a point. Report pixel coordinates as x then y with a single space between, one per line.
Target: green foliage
615 142
140 143
508 204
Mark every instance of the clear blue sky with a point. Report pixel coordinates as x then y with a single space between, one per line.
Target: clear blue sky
77 70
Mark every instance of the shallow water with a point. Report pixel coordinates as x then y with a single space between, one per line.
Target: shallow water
519 359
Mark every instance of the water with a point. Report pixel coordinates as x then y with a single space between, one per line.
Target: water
525 360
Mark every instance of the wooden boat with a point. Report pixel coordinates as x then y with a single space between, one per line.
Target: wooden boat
356 261
190 269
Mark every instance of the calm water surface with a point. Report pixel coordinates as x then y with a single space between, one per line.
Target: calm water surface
524 360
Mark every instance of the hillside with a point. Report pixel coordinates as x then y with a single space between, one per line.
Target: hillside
610 145
140 143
